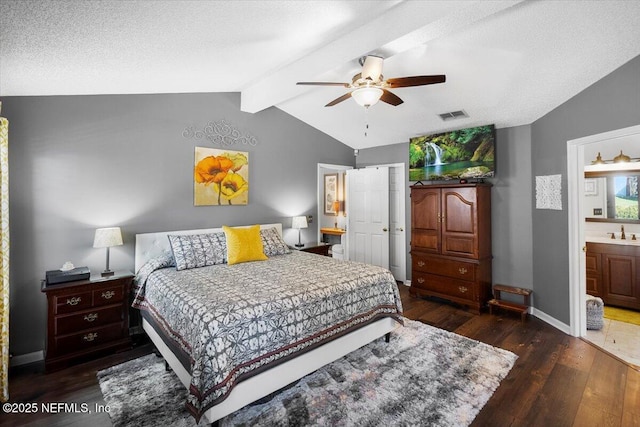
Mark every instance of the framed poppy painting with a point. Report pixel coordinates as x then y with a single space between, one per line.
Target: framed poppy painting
220 177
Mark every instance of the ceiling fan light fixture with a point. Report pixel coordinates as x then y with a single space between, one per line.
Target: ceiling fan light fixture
367 96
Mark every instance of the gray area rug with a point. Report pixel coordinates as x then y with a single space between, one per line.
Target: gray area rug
425 376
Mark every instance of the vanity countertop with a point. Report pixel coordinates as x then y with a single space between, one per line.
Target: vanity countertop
617 241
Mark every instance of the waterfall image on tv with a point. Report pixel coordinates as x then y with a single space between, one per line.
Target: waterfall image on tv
465 153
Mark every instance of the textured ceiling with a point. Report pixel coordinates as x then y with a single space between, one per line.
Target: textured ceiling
507 62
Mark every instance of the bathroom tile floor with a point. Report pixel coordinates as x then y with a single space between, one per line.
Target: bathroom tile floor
618 338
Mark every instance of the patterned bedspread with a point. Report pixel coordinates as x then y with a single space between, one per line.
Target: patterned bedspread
235 320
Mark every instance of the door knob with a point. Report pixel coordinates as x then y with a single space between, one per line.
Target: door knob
384 229
400 229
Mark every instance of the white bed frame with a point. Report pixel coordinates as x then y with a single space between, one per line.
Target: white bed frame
149 245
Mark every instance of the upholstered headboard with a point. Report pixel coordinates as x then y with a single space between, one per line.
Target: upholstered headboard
149 245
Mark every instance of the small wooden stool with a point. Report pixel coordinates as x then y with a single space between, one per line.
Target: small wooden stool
508 305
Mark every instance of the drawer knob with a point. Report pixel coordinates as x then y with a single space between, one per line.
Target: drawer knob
462 270
90 336
108 294
91 317
74 300
420 280
420 263
463 289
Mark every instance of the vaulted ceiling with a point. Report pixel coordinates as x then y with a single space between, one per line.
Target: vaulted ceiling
506 62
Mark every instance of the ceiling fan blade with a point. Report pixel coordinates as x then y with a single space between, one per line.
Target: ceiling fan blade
372 67
416 81
323 84
339 100
390 98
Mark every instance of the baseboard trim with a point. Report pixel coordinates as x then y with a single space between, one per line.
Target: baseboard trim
551 321
25 359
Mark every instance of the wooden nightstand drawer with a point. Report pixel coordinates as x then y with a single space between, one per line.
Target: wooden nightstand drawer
87 319
108 295
70 303
88 338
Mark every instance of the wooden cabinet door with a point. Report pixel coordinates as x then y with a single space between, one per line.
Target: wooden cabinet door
620 280
425 219
460 219
594 274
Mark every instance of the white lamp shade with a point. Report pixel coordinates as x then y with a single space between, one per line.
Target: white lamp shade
107 237
299 222
367 96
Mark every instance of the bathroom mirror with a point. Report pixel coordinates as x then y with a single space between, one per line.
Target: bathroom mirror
612 197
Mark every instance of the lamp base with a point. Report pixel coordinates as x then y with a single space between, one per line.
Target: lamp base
107 273
299 245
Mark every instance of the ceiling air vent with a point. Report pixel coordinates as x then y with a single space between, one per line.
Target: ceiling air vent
453 115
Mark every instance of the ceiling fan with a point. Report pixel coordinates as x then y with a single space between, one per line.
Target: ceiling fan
369 86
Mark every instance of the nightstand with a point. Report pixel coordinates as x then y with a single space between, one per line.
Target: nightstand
87 318
319 248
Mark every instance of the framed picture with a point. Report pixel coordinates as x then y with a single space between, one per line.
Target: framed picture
330 192
220 177
590 187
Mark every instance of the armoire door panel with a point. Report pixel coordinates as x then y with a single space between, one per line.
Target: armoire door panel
459 211
425 214
459 245
426 240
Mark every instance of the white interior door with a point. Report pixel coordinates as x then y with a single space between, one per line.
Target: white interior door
397 234
368 215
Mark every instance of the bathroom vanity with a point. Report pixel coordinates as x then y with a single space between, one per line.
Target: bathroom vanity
613 271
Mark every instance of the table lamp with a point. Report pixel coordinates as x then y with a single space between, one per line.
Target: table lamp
299 222
336 208
106 238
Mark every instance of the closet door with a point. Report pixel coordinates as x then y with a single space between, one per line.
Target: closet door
368 231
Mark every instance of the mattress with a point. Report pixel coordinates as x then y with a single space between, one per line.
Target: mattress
229 322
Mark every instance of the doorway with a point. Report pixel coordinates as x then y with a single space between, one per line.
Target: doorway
576 159
324 218
398 248
397 220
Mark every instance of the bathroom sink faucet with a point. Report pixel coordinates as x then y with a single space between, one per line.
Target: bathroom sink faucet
623 237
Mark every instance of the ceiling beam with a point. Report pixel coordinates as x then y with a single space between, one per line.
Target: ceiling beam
406 25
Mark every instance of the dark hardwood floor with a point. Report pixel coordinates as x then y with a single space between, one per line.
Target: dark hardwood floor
558 380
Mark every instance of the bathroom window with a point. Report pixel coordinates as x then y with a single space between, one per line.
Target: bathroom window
622 200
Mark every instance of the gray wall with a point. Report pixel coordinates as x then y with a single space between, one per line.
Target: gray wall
511 208
611 103
82 162
511 202
530 246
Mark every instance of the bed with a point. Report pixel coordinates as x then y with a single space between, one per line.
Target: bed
236 333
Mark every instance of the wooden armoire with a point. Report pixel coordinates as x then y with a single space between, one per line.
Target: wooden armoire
451 242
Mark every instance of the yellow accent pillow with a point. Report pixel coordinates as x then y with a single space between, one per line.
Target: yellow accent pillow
244 244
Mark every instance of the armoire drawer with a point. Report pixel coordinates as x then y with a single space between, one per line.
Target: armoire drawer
445 267
445 285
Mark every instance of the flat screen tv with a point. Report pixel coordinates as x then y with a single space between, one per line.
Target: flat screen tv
459 154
